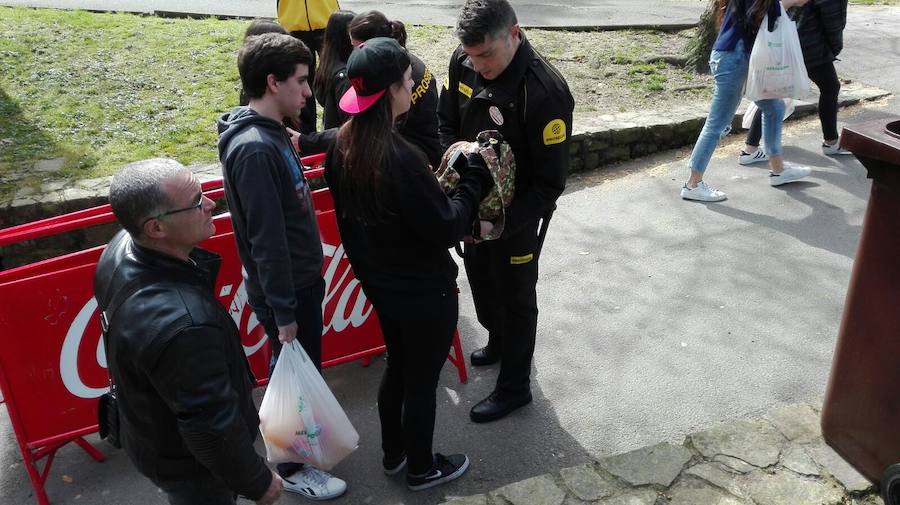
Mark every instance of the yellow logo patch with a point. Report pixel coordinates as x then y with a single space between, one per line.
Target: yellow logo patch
520 260
466 90
554 132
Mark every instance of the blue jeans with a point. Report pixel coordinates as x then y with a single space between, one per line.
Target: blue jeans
730 71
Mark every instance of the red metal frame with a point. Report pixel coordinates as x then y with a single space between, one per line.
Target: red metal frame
46 447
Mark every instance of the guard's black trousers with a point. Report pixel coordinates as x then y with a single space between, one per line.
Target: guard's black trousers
503 277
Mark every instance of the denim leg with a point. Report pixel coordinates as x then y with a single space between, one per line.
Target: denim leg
772 118
730 71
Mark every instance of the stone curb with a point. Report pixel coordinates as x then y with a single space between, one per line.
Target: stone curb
780 459
611 138
596 141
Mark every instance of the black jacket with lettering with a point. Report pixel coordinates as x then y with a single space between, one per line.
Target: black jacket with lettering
530 104
421 123
183 381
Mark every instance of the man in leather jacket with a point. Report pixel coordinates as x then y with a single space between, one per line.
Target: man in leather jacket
187 419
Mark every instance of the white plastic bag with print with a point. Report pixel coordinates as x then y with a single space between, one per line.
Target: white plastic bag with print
776 62
300 419
752 109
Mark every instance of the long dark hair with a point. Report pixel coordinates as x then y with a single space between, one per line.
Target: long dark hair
371 24
752 17
336 48
366 144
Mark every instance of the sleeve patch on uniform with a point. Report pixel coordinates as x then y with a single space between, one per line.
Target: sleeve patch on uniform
466 90
554 132
521 260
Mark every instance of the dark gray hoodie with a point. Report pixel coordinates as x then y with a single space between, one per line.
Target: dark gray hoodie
271 210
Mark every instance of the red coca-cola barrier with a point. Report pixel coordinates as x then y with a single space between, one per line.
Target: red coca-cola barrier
52 361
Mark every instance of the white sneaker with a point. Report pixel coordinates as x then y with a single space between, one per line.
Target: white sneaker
790 173
756 156
702 193
315 484
833 149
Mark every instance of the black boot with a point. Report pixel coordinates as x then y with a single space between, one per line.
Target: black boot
484 356
497 405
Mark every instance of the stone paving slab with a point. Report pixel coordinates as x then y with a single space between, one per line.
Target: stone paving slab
782 457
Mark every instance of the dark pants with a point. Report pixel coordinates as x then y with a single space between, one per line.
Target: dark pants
503 276
313 41
198 491
308 315
829 85
418 330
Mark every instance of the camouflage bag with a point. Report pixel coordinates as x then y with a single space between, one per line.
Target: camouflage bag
498 157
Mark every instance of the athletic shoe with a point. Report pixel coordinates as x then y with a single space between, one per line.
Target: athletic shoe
446 468
756 156
833 149
393 466
702 193
790 173
315 484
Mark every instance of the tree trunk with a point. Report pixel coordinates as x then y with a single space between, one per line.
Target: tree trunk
707 30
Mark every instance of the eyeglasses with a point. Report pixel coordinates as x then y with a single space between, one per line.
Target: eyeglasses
176 211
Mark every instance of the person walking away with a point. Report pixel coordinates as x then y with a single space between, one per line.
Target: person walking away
730 62
820 24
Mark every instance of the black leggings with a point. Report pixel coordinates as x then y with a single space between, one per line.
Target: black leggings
826 79
418 329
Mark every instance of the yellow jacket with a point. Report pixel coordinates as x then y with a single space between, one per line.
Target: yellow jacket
305 15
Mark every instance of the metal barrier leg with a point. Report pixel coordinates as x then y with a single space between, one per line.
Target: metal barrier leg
37 479
90 450
458 359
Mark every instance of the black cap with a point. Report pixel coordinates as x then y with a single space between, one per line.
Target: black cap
372 68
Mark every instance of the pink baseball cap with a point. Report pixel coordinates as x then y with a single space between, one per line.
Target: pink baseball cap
372 68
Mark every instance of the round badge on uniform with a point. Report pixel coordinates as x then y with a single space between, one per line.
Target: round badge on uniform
496 115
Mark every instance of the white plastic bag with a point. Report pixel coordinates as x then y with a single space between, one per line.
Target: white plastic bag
300 419
776 62
747 121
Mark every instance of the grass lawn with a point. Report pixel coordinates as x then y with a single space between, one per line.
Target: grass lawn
100 90
104 89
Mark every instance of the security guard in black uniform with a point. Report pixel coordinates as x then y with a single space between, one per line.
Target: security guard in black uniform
497 81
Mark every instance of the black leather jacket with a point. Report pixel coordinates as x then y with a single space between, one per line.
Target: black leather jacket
183 379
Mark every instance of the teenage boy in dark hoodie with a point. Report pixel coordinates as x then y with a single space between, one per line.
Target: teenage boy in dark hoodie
273 216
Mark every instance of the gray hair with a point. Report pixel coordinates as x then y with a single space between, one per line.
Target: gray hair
480 19
136 192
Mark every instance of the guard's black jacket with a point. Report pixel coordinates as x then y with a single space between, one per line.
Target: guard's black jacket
530 104
419 125
183 380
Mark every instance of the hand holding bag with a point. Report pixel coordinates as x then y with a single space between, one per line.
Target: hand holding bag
300 419
776 62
